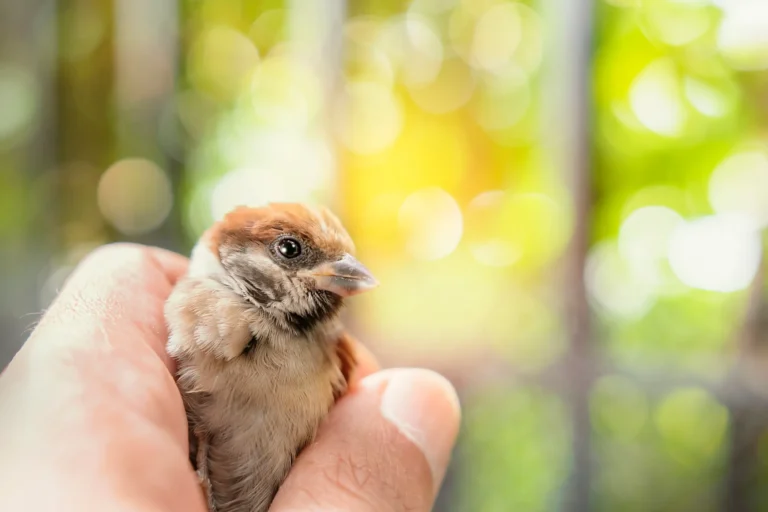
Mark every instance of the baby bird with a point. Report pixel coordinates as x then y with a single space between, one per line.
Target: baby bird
261 353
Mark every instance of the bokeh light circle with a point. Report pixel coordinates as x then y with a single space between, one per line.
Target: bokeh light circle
676 22
524 229
502 99
497 35
220 60
284 93
248 187
431 223
719 253
18 103
644 240
613 285
740 185
492 36
135 196
692 424
451 89
742 37
414 49
656 99
371 118
710 100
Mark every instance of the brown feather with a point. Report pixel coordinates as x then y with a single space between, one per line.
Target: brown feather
261 225
347 361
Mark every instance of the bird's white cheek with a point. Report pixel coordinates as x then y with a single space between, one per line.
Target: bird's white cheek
264 264
203 262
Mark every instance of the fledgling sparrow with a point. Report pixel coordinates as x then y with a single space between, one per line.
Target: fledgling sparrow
261 353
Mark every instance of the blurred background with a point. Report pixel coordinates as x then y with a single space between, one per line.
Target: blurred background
565 202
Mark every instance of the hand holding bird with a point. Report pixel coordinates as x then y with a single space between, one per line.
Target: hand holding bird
93 421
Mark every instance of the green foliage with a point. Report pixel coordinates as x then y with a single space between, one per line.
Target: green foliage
515 451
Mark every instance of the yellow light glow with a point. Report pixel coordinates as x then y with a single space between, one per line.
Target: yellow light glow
135 196
676 22
414 49
268 29
220 60
432 6
497 35
502 99
371 118
623 3
284 93
432 224
451 89
506 229
430 152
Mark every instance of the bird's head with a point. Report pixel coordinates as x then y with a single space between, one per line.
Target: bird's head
292 259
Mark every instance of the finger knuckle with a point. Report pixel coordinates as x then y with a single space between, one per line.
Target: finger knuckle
118 251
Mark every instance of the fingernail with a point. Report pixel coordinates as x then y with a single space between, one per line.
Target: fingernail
424 407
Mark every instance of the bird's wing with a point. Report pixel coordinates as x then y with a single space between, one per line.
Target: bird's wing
200 441
345 351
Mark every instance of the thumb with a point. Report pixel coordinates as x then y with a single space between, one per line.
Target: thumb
385 446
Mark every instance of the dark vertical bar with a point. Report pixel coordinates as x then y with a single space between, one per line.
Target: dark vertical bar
84 119
568 128
147 41
746 405
177 161
316 33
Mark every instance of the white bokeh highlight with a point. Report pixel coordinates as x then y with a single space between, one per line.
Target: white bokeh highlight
742 37
644 239
656 100
740 185
719 253
613 285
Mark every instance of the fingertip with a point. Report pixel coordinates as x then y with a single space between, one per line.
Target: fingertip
425 408
130 255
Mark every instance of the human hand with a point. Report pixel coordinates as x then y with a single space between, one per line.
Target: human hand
91 418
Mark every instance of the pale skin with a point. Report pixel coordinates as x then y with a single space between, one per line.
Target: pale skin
91 419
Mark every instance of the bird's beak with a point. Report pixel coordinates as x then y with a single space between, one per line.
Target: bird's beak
345 277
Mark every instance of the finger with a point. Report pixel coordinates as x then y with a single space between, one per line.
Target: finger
107 331
117 287
385 446
90 411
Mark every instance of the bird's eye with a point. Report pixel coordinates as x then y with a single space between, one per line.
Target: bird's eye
289 248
